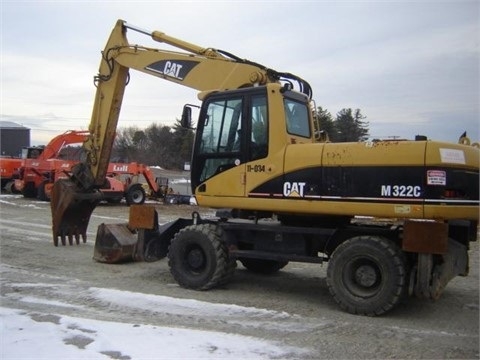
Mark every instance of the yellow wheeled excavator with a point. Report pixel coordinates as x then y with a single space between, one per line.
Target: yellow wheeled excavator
281 196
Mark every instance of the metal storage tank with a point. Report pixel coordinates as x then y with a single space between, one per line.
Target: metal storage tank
13 137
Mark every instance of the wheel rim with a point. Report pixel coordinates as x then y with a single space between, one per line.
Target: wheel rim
137 196
195 259
363 277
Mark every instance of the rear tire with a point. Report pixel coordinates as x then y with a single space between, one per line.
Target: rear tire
198 257
366 275
135 195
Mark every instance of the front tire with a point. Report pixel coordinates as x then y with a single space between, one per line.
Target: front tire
198 257
366 275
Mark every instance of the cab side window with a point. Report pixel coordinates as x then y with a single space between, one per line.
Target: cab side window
297 118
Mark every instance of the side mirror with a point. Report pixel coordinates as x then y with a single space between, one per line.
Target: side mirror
186 120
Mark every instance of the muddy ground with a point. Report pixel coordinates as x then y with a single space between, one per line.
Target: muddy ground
303 314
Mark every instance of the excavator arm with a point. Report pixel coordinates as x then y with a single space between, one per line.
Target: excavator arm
53 148
203 69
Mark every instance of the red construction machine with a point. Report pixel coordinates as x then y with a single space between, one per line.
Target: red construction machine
126 181
8 168
40 167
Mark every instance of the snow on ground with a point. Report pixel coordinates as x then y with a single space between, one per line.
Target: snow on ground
4 200
30 334
41 336
174 306
180 181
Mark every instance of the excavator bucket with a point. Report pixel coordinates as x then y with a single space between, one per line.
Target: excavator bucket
71 211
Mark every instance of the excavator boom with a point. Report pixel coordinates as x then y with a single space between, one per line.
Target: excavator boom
203 69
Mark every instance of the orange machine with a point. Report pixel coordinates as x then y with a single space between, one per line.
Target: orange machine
8 168
41 166
130 176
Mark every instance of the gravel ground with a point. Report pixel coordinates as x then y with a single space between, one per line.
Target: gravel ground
301 313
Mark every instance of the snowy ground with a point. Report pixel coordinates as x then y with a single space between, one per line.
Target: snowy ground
32 335
46 333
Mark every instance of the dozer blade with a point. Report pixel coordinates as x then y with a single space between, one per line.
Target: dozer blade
115 243
71 211
138 240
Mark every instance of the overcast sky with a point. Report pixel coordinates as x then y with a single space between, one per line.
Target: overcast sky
412 67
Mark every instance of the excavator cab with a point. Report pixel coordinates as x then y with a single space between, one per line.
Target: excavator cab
32 152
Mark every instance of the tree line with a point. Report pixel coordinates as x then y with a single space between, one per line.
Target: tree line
348 125
170 147
166 146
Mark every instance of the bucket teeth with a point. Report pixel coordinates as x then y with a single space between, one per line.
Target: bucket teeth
64 236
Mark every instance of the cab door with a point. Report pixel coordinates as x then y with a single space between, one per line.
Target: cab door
259 167
218 163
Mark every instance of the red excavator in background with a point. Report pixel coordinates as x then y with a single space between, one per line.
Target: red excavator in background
40 167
